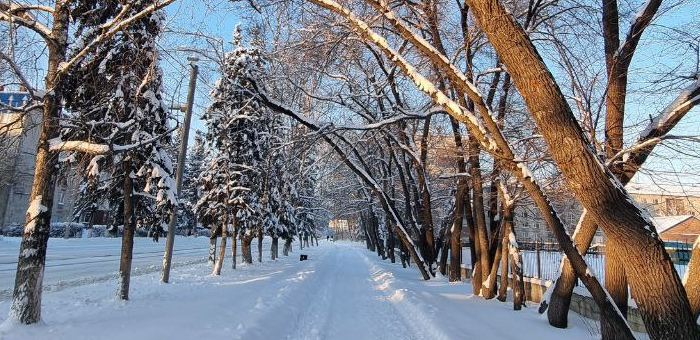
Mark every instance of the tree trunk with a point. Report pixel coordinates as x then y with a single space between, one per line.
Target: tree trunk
616 285
287 246
212 245
402 254
692 280
503 287
222 251
246 240
461 195
489 290
481 236
560 300
234 239
655 284
26 296
390 244
368 239
516 268
444 251
274 253
127 235
473 243
260 240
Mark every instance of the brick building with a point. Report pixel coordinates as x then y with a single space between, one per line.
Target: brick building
683 228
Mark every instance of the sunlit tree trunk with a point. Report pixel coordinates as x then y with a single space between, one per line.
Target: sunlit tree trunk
655 284
222 251
26 296
692 280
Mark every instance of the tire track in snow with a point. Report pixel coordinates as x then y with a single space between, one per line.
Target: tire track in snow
413 314
346 304
313 320
274 315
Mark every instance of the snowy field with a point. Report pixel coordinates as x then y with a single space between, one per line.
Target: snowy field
342 292
71 262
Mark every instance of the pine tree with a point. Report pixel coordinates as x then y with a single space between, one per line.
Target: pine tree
237 135
118 105
187 218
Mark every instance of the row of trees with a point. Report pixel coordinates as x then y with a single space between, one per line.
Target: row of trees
101 106
446 116
524 134
254 181
105 117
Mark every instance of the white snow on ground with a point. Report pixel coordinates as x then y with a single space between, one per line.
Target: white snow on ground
71 262
342 292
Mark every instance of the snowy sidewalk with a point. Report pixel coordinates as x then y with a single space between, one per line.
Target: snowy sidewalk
342 292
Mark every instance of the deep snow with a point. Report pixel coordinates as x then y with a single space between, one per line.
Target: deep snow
342 292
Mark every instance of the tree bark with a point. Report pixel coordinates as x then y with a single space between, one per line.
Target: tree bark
516 266
26 296
260 247
481 236
246 240
127 235
287 246
444 250
489 290
274 252
234 241
222 251
390 243
560 300
655 284
616 284
503 287
692 280
212 245
461 194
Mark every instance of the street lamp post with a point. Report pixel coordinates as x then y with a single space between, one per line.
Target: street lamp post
168 255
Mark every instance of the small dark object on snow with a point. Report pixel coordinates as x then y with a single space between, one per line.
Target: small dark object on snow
303 257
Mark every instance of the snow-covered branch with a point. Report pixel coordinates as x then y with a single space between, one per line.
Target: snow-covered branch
641 21
113 28
57 144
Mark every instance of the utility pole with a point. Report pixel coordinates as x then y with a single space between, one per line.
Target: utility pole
168 256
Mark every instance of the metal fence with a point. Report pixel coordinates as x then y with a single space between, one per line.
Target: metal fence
542 260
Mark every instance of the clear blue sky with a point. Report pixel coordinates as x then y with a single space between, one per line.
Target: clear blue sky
655 57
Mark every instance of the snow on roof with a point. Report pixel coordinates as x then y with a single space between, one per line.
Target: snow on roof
663 189
664 223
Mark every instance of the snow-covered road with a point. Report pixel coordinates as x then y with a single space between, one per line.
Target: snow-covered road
342 292
71 262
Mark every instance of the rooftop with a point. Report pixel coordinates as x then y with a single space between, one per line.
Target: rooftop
664 223
663 189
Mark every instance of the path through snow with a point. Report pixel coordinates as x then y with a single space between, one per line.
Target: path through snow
342 292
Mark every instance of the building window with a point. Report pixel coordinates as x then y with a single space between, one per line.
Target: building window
61 197
675 206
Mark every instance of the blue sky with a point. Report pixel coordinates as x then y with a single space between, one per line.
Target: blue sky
218 18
